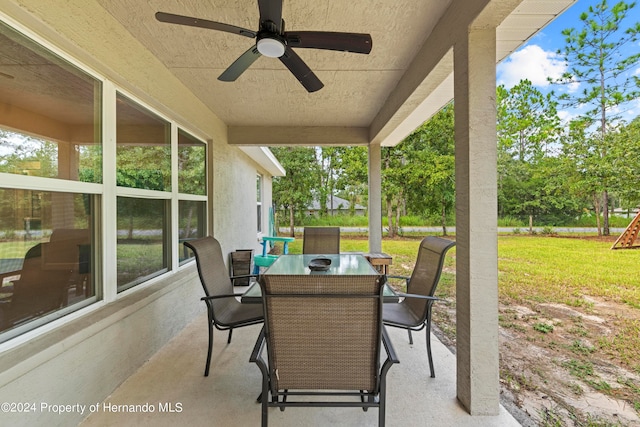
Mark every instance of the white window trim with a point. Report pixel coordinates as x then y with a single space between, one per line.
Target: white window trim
107 190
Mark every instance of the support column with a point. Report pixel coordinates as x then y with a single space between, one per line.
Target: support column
375 198
478 387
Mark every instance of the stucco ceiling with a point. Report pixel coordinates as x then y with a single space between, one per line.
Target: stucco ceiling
378 97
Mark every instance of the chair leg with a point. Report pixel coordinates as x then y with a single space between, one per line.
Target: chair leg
264 410
208 363
433 372
229 338
410 337
382 401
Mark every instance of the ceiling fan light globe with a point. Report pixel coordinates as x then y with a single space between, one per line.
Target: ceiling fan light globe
270 47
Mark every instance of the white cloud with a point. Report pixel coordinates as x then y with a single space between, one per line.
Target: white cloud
566 116
530 62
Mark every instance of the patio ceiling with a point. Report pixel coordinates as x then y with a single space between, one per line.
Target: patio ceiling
380 97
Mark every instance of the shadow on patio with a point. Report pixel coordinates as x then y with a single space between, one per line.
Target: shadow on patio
173 380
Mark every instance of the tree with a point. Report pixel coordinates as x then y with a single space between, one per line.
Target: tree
330 161
394 169
353 181
625 150
430 152
529 132
595 58
293 192
528 124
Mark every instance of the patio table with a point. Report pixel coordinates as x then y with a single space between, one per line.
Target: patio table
341 264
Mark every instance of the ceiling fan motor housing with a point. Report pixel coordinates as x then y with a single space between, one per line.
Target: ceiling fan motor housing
270 44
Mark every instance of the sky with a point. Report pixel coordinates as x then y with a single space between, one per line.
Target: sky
537 59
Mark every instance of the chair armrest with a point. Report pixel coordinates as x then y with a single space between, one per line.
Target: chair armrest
220 296
419 296
257 348
388 347
242 276
405 278
391 276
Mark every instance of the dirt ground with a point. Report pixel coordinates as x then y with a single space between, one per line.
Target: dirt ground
552 371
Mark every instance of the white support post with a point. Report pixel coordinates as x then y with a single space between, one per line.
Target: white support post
375 198
478 387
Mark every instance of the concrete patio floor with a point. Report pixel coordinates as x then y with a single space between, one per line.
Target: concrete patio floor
173 380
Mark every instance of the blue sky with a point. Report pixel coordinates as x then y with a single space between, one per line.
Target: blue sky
537 59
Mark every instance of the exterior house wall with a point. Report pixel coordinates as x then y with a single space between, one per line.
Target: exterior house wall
83 357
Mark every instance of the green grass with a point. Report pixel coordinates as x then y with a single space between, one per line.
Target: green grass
564 270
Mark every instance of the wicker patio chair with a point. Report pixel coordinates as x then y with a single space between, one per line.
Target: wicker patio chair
414 312
321 240
224 311
323 337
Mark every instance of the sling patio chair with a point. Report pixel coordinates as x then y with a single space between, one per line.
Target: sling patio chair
414 312
224 311
321 240
323 336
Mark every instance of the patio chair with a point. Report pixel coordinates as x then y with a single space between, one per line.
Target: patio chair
43 285
224 311
323 337
414 312
321 240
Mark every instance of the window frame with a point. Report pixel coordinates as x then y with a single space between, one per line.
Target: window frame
105 195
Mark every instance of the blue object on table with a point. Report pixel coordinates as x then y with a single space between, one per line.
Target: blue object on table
265 260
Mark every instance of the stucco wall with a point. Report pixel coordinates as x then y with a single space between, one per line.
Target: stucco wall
84 360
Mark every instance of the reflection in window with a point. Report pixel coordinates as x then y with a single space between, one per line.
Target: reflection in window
50 122
143 147
192 218
192 178
142 240
46 255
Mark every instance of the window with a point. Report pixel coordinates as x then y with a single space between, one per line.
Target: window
143 147
50 122
52 188
142 240
143 162
47 254
192 175
50 128
192 218
192 184
259 198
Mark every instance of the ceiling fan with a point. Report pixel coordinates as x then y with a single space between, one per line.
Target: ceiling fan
273 41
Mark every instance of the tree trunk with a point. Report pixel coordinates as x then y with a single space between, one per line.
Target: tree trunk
130 227
596 202
443 219
605 212
390 218
530 224
187 226
291 221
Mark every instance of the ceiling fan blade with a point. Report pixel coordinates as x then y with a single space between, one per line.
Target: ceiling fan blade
346 42
303 73
203 23
271 10
240 65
